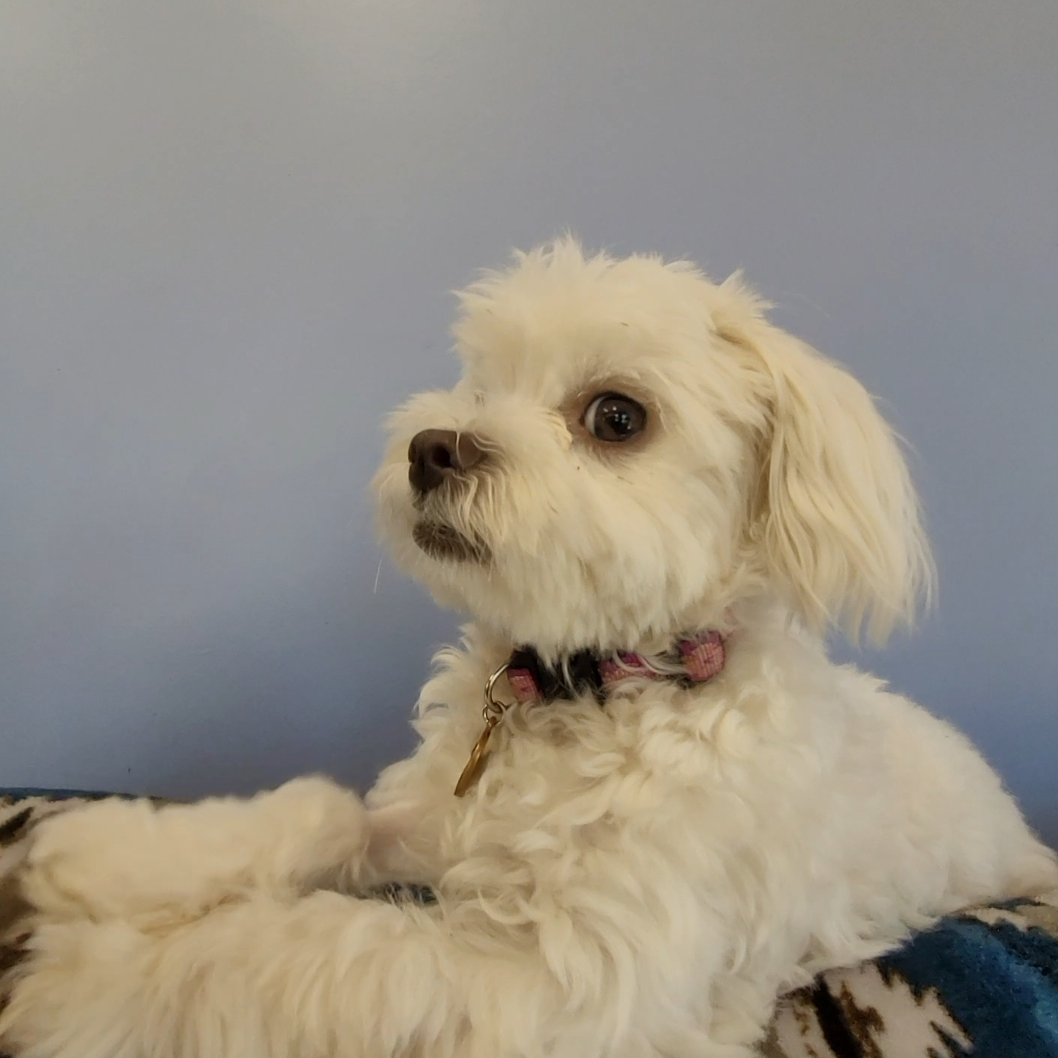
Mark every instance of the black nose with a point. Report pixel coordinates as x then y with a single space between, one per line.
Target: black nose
433 455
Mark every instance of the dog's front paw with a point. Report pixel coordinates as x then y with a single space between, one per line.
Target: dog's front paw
164 865
103 860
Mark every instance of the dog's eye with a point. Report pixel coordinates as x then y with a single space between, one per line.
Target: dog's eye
612 417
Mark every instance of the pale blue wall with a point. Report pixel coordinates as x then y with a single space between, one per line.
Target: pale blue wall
227 230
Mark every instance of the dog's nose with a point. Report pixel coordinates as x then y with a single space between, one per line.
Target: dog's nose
435 454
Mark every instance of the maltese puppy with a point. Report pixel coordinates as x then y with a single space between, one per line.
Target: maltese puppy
644 804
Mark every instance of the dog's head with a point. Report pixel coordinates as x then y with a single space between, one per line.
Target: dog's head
631 450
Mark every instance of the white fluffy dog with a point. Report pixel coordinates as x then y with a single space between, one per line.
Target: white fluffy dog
660 502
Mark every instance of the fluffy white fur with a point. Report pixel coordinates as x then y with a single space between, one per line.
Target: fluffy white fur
640 880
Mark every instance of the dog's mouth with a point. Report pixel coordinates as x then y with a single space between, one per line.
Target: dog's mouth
440 540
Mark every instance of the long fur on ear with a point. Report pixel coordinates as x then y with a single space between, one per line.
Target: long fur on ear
838 518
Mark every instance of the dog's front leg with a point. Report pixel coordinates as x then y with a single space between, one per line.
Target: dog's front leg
332 976
327 975
149 864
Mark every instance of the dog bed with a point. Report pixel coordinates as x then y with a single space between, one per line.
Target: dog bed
982 983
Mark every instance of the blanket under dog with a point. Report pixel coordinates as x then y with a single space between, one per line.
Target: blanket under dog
981 983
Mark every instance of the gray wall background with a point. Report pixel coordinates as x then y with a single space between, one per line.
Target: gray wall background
227 230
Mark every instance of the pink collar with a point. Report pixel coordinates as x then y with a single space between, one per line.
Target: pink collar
694 660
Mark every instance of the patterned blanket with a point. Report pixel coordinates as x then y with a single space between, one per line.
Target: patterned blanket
981 983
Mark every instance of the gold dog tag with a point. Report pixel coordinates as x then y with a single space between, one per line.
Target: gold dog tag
492 714
476 765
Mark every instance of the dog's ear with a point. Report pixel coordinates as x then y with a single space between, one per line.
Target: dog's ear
836 516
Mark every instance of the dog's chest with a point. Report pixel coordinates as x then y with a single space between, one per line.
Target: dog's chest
578 776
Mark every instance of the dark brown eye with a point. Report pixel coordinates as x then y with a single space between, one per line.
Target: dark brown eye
612 417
